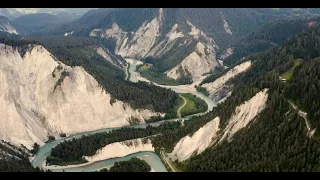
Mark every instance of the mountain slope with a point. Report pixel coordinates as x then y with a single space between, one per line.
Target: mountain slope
38 21
149 34
278 138
285 130
14 159
86 53
13 13
42 96
7 26
180 43
269 35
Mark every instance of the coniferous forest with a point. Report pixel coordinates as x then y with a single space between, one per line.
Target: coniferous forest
71 152
133 165
278 139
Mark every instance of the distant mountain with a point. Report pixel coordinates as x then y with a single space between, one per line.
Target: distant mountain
181 44
7 26
269 35
41 21
12 13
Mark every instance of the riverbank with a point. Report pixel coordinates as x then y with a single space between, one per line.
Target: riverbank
151 158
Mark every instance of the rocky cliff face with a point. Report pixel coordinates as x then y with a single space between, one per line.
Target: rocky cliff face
6 26
41 96
152 40
211 134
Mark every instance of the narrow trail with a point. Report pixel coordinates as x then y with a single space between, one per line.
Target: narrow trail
304 116
178 112
163 154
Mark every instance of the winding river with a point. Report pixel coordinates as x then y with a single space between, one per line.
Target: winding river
150 157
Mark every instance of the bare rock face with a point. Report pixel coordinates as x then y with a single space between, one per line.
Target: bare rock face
197 143
218 86
120 149
196 64
147 41
210 133
41 96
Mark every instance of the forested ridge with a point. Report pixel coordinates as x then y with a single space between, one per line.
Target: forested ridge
269 35
277 140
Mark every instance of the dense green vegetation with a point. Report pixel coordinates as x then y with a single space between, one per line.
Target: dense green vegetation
267 36
303 88
72 151
157 77
133 165
173 113
194 105
288 74
14 159
17 165
82 52
223 110
21 45
154 75
17 43
36 148
13 36
202 90
273 143
38 21
277 142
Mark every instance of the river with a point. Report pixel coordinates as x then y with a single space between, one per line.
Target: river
150 157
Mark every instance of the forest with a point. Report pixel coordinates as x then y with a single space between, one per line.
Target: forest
72 151
14 159
269 35
277 143
133 165
193 105
15 165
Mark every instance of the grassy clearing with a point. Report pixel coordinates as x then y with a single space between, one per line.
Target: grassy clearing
145 67
194 105
287 75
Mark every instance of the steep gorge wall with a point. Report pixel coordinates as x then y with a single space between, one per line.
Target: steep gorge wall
33 105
